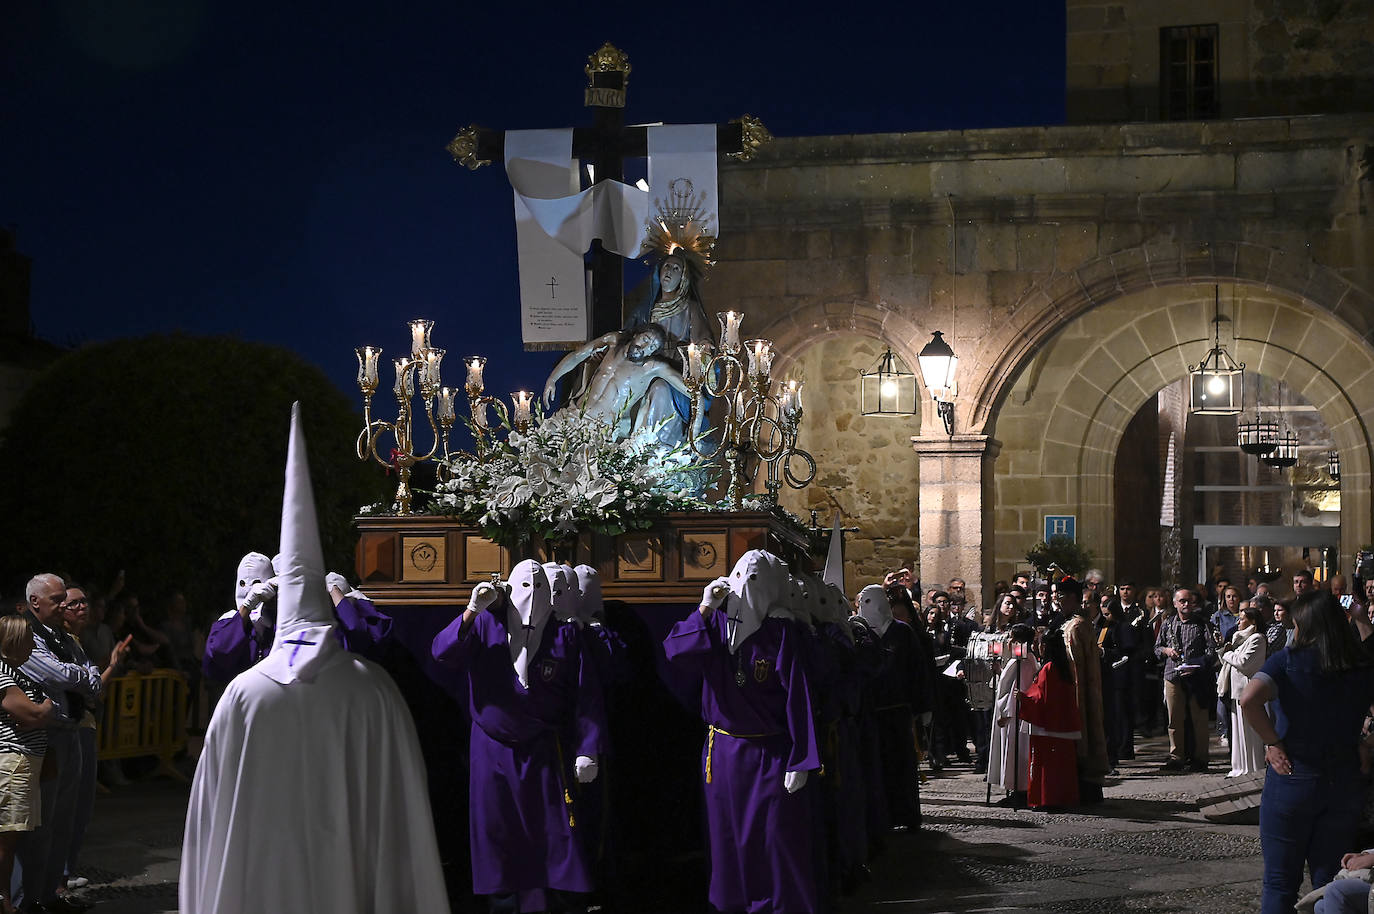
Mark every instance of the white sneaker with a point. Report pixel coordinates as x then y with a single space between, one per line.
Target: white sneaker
78 882
1225 743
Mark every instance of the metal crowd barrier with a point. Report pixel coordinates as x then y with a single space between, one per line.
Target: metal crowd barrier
145 714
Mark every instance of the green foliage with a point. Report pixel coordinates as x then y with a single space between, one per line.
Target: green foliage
165 456
1061 551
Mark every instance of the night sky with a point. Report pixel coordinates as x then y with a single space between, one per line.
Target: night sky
276 170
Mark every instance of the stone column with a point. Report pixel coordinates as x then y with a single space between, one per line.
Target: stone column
955 477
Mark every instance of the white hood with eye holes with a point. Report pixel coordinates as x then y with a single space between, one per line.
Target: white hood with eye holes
875 609
759 586
532 602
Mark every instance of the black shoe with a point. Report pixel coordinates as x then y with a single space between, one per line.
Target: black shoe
964 758
64 904
1199 767
1173 764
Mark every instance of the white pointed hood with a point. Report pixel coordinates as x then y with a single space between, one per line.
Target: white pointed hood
804 602
531 606
305 620
838 605
589 582
759 586
562 593
875 609
254 568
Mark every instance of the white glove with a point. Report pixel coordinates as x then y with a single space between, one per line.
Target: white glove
926 717
259 594
483 595
585 768
356 594
794 781
336 581
714 594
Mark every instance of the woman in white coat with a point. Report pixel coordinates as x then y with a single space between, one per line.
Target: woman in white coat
1241 659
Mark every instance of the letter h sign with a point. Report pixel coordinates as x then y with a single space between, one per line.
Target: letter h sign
1061 525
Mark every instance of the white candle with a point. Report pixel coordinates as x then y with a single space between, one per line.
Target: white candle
729 330
446 395
475 384
522 400
405 382
760 359
433 359
419 335
367 368
791 399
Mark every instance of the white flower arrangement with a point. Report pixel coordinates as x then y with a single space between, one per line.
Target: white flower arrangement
566 475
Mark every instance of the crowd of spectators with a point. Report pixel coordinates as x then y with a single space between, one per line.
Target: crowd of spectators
61 645
1284 685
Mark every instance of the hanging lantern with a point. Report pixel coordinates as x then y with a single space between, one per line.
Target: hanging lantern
1285 454
1217 383
1258 437
1333 465
887 389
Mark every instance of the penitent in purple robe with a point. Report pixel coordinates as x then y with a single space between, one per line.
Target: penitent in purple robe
757 705
234 645
522 828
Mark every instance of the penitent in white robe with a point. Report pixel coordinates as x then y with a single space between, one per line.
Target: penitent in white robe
1006 770
310 797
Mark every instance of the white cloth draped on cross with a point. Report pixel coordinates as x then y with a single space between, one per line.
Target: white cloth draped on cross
555 222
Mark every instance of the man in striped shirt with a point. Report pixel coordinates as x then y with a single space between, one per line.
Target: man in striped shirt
71 684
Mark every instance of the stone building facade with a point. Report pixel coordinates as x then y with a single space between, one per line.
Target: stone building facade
1073 269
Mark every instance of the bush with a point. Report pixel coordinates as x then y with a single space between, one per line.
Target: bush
165 456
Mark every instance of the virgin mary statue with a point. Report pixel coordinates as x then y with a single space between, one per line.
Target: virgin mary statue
683 250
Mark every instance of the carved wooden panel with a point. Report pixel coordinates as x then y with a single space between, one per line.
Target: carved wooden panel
704 554
423 558
639 557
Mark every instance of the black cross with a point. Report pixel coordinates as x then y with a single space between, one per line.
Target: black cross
552 284
605 146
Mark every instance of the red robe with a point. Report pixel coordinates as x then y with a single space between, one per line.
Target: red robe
1050 707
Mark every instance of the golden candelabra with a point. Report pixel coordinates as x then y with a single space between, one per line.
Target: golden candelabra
759 428
423 365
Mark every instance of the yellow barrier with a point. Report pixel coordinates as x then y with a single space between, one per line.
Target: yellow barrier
145 714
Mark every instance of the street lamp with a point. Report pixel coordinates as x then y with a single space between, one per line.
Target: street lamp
938 364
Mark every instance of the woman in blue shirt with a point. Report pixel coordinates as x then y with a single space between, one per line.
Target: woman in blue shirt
1321 686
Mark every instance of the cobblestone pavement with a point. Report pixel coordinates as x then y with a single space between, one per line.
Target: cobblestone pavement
1145 849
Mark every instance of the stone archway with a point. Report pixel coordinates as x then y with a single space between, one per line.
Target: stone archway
1046 308
1062 417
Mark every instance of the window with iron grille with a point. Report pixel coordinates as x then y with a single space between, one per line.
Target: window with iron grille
1188 72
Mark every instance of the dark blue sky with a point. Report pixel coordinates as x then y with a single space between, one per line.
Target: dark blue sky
276 170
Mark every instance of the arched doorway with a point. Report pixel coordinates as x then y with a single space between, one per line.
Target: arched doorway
1063 417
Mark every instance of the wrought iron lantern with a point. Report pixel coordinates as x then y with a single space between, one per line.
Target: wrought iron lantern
887 389
1217 383
1285 454
1258 437
938 364
1333 465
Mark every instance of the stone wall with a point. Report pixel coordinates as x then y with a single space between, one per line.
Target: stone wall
1002 239
865 466
1275 57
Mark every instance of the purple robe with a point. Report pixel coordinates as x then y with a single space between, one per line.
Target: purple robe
760 835
233 644
522 828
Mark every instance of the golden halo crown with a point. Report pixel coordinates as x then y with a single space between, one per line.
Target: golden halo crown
681 225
